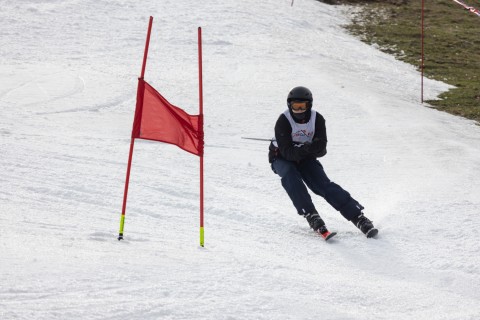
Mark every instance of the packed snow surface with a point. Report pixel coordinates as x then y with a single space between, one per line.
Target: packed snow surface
68 77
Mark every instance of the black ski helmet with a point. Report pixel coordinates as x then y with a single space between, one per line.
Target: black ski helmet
300 94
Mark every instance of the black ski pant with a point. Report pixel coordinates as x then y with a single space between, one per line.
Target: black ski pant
297 176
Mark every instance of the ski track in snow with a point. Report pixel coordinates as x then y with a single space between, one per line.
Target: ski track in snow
68 77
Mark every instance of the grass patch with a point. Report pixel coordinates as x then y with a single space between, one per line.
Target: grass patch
452 44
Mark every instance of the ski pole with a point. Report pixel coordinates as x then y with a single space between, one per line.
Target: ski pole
260 139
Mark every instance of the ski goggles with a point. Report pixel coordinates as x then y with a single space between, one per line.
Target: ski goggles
299 106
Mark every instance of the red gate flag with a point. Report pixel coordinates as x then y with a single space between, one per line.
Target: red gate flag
157 119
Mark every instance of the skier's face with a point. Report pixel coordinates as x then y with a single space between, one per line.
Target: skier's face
298 106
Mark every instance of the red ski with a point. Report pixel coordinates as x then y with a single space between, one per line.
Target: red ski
327 235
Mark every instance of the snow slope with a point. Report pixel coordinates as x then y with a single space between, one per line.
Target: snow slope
68 72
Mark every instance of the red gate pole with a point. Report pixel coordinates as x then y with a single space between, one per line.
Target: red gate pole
200 93
423 37
132 141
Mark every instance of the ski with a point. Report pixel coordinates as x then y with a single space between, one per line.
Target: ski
327 235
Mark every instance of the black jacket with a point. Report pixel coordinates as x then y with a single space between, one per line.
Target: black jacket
286 147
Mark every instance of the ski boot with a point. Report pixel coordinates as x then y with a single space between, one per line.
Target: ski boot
365 225
318 225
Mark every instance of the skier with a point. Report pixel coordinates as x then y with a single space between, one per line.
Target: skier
301 138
